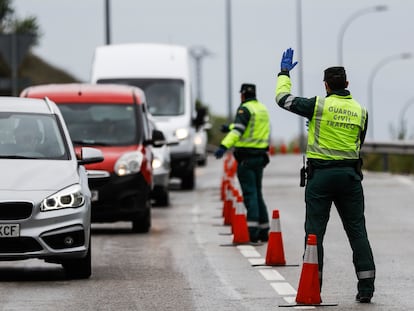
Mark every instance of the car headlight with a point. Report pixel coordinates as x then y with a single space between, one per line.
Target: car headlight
181 133
156 163
70 197
198 140
128 163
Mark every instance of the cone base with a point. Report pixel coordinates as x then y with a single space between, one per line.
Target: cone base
325 304
286 265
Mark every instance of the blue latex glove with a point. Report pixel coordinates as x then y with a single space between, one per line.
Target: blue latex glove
287 60
224 128
220 152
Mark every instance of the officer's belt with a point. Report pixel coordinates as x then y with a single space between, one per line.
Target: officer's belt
333 164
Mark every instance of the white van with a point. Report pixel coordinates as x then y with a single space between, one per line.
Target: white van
163 72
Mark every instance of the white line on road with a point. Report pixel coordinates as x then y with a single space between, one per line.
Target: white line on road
271 275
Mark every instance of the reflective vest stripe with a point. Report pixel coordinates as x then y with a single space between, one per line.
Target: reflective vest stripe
369 274
264 225
252 223
238 126
288 102
318 116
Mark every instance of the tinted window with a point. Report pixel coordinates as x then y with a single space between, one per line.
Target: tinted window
101 124
34 136
165 97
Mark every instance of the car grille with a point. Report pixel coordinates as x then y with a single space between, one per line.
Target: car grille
19 245
15 210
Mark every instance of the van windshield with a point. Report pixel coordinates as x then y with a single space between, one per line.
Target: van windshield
100 124
165 97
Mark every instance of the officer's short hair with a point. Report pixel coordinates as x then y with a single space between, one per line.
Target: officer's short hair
335 77
248 90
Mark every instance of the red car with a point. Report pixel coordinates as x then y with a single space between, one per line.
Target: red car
114 119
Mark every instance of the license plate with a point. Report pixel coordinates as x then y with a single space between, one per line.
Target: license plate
94 195
9 230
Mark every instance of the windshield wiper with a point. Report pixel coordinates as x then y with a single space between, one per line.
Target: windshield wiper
90 143
17 157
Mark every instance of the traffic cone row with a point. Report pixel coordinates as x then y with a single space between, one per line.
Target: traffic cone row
234 213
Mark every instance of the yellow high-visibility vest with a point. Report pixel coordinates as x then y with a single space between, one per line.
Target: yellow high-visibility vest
257 132
335 128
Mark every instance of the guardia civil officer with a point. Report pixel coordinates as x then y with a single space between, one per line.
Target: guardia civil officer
337 128
249 135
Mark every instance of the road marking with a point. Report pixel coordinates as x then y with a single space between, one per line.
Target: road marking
248 251
283 288
257 261
271 275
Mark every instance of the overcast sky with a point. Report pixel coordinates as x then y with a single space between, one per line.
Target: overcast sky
261 31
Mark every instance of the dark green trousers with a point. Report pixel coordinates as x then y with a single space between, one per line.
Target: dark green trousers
341 186
250 175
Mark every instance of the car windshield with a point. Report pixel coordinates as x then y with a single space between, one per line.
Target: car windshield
31 136
100 124
165 97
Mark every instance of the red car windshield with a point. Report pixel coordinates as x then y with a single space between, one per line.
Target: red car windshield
101 124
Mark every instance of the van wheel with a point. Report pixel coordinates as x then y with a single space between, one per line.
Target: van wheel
188 181
143 224
163 198
79 268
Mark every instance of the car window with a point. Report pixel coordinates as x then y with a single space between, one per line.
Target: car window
101 124
36 136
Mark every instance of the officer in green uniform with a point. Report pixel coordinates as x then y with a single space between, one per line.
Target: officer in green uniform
249 135
337 128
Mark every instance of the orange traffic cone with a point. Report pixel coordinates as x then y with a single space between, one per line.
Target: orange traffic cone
309 286
228 204
275 255
239 223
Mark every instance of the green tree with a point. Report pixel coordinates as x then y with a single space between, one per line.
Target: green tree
9 23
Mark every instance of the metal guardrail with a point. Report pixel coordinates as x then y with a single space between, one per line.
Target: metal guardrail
386 148
390 147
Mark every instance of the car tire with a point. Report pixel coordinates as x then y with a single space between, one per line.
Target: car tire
163 198
203 161
188 181
143 223
79 268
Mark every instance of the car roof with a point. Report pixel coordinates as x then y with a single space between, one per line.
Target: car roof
17 104
85 92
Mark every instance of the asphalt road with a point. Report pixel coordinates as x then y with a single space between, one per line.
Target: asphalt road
186 263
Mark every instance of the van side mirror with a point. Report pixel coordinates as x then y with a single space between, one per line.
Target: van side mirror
158 138
200 118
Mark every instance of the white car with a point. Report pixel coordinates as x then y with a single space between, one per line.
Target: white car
161 170
45 201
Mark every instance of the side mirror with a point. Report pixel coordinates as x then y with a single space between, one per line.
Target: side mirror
200 119
158 138
90 155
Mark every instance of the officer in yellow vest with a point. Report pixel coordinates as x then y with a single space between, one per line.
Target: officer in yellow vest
249 135
337 128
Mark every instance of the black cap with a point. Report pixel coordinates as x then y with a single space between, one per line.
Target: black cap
335 77
249 89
